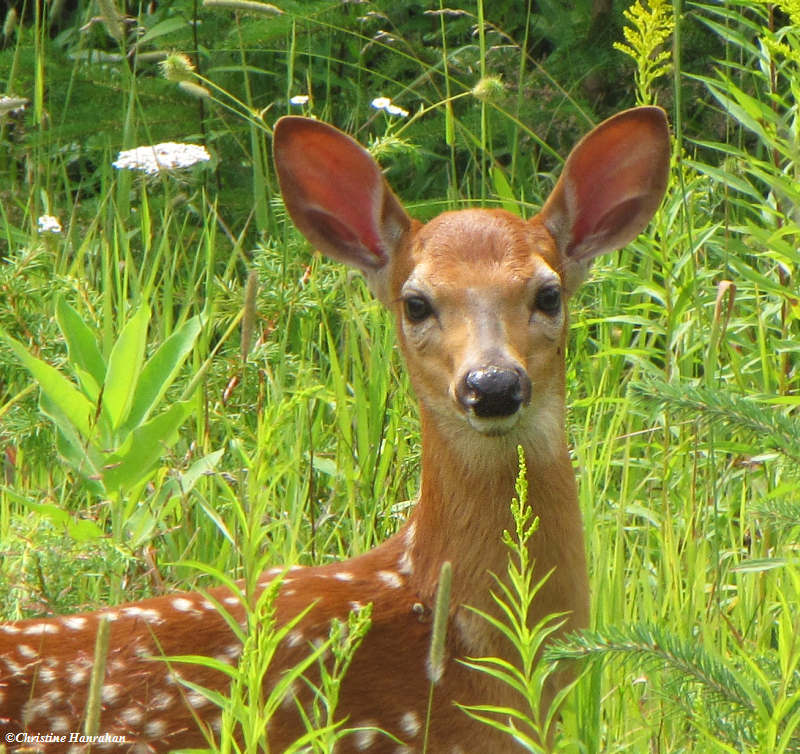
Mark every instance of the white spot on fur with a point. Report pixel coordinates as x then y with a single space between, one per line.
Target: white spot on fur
367 736
230 654
148 614
182 604
344 576
27 651
132 716
196 699
78 670
13 667
411 535
140 650
405 564
208 605
37 629
231 601
10 629
291 695
294 638
391 579
318 642
54 696
74 622
410 723
60 724
33 709
356 605
109 615
46 675
111 692
155 728
162 701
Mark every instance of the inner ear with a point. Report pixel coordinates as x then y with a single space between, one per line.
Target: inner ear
595 233
611 185
336 195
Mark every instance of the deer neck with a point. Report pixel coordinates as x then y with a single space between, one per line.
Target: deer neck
463 509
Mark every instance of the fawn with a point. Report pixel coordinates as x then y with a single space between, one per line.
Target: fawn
479 297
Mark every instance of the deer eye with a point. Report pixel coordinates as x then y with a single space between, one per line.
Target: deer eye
417 308
548 299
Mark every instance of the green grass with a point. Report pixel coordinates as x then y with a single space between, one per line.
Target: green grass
683 355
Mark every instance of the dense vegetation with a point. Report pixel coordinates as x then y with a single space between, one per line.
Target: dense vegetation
273 423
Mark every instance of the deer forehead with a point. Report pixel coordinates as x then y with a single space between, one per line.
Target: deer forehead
472 243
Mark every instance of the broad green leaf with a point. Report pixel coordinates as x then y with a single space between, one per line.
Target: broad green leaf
167 26
160 371
82 346
124 366
79 453
144 447
84 530
89 387
81 530
73 404
199 468
140 526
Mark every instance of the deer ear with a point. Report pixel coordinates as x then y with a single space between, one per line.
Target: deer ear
336 194
611 185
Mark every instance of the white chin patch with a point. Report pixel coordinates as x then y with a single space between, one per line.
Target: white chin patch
493 426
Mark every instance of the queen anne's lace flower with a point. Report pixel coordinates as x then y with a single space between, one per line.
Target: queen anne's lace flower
167 156
49 224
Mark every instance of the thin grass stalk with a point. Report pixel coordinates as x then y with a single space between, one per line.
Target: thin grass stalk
484 137
94 700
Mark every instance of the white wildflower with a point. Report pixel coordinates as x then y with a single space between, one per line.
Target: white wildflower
395 110
11 105
166 156
386 104
49 224
299 99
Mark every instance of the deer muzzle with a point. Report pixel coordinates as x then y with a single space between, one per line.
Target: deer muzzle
494 392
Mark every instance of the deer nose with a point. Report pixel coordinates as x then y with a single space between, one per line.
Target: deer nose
494 391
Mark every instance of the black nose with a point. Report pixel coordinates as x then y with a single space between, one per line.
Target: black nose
494 391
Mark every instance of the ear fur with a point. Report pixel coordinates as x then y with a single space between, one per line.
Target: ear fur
337 196
612 183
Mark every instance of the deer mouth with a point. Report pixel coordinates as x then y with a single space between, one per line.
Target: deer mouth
494 426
